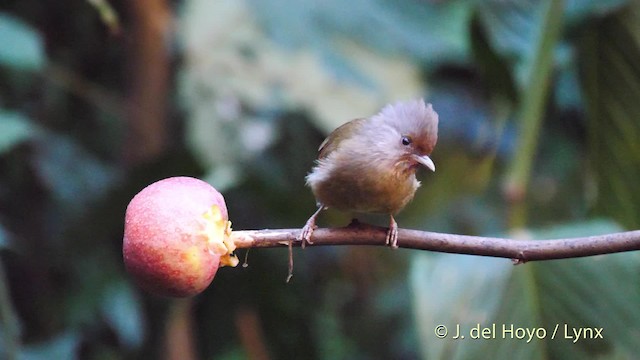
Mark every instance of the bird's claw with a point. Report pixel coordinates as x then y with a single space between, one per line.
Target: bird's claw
392 234
392 238
309 227
305 234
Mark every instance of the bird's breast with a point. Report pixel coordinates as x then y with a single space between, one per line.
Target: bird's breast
366 188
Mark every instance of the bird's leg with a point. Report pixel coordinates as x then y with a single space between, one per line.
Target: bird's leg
305 237
307 230
392 234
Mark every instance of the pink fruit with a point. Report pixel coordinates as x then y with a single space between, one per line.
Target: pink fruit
175 236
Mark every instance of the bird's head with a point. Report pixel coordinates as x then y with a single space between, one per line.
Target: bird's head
411 133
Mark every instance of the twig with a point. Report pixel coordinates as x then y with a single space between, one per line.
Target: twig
520 251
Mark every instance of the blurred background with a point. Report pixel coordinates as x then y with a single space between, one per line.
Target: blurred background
539 105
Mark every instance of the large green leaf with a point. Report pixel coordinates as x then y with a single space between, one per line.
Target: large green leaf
611 78
579 11
431 31
64 346
75 176
478 292
14 129
22 46
453 290
122 310
513 29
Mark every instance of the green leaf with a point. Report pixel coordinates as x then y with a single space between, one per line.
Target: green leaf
14 129
513 29
22 46
453 290
75 176
610 74
122 310
478 292
431 31
585 10
64 346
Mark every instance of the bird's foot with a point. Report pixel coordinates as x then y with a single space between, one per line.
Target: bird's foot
392 234
307 231
309 227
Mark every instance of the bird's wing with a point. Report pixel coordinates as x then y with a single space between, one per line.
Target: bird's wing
344 131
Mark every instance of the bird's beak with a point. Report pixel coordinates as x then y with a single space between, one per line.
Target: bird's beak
426 161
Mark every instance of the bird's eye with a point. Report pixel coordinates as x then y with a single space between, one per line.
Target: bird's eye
406 140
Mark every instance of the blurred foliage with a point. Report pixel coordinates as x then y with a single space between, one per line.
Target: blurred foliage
609 70
252 88
476 291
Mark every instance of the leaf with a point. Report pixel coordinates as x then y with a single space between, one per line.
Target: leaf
477 292
567 91
22 47
14 129
512 29
73 175
64 346
122 310
434 32
453 290
578 11
610 74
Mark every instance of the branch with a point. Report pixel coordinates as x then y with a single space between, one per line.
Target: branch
147 125
519 250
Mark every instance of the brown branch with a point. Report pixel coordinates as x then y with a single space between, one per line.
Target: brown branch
147 125
519 250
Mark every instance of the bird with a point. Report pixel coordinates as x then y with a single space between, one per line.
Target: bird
368 165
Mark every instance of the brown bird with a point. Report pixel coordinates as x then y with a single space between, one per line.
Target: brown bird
369 165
